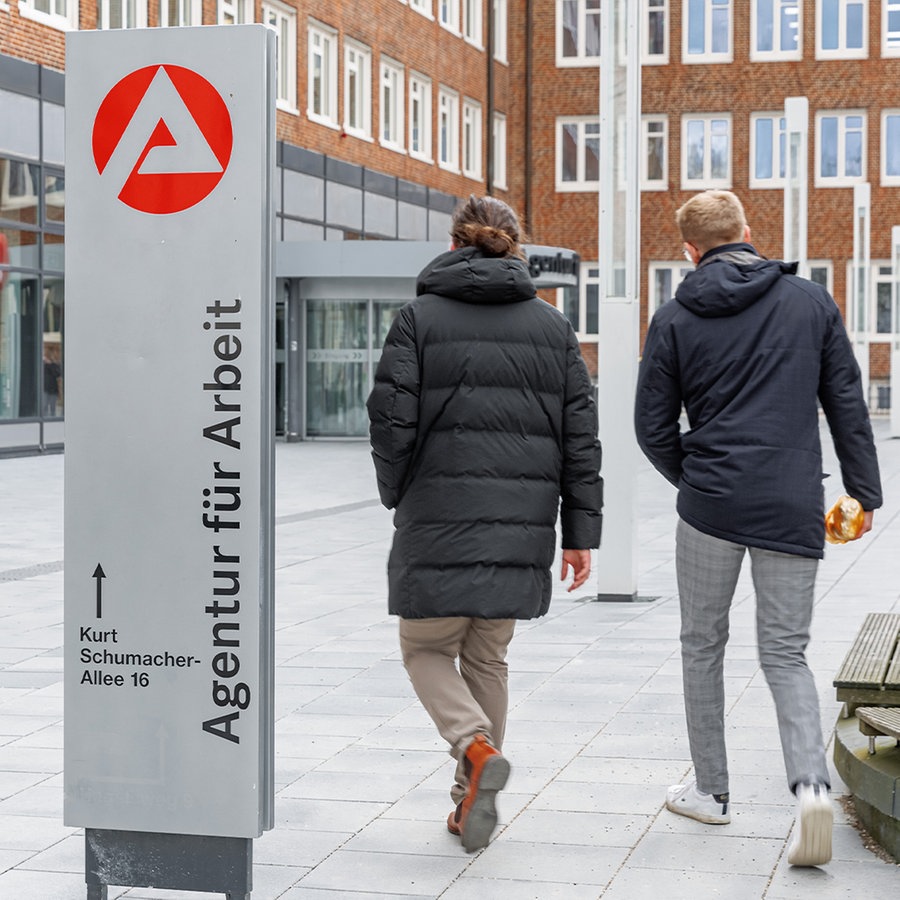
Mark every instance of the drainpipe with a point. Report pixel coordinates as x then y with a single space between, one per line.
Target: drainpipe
529 33
489 123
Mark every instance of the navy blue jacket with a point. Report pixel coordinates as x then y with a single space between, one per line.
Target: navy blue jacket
747 348
483 425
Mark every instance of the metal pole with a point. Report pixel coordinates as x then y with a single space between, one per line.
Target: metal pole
859 293
796 181
895 329
619 260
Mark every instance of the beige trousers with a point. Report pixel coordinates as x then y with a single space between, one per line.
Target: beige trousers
463 702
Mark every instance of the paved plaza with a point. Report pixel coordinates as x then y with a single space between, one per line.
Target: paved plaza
595 735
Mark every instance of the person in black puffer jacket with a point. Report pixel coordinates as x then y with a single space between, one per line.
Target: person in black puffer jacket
750 350
484 433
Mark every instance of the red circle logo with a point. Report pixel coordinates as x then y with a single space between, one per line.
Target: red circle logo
163 137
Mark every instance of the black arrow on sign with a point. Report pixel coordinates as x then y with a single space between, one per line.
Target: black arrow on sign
99 574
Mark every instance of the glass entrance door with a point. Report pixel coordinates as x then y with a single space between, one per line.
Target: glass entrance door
343 345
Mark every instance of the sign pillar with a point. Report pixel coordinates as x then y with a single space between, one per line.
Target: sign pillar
620 258
796 181
169 669
858 324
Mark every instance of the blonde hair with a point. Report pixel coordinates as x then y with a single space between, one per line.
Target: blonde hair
488 224
711 219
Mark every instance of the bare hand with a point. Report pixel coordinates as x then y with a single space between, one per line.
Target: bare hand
580 561
866 525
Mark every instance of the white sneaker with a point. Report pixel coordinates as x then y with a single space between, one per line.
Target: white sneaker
686 800
811 845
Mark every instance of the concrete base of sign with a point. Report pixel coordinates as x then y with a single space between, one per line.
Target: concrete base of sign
181 862
623 598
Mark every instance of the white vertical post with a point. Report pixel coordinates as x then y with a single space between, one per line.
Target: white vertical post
895 331
619 258
858 326
796 181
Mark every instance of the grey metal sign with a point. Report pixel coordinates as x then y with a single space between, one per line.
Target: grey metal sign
169 455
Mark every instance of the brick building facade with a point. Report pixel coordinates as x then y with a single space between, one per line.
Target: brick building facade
390 111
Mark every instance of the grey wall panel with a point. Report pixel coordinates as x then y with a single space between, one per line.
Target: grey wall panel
304 195
344 206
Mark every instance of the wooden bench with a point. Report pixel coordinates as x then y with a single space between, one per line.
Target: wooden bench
875 721
870 673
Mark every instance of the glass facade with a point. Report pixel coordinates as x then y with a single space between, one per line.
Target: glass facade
32 248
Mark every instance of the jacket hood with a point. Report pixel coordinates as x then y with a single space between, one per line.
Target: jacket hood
729 279
468 275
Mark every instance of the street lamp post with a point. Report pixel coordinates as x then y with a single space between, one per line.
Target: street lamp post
796 181
895 331
859 292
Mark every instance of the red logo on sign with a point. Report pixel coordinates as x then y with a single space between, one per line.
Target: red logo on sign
163 134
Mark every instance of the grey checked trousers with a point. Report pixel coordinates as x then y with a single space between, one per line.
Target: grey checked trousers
707 569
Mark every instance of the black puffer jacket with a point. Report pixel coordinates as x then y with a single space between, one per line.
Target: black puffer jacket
747 347
482 416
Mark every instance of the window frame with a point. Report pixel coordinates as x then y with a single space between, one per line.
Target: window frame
707 181
648 184
775 55
501 173
888 180
285 64
472 143
451 20
588 276
828 266
362 66
887 50
779 150
237 10
580 184
140 15
195 8
678 270
423 7
391 112
472 14
67 21
580 59
448 108
329 38
424 94
648 58
707 56
842 52
500 12
840 180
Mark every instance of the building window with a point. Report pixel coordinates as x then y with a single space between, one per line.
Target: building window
180 13
663 279
655 49
500 151
581 305
821 272
357 90
235 12
880 310
420 117
283 21
392 104
577 154
654 153
122 13
577 32
500 10
705 152
471 139
840 149
890 28
471 21
767 150
448 130
322 77
841 29
890 147
707 31
775 29
449 14
61 14
422 6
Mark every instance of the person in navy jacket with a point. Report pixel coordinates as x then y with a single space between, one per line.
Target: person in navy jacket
750 351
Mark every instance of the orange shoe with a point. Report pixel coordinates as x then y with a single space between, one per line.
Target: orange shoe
476 817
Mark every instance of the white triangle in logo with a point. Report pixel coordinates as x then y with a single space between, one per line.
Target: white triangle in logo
185 148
